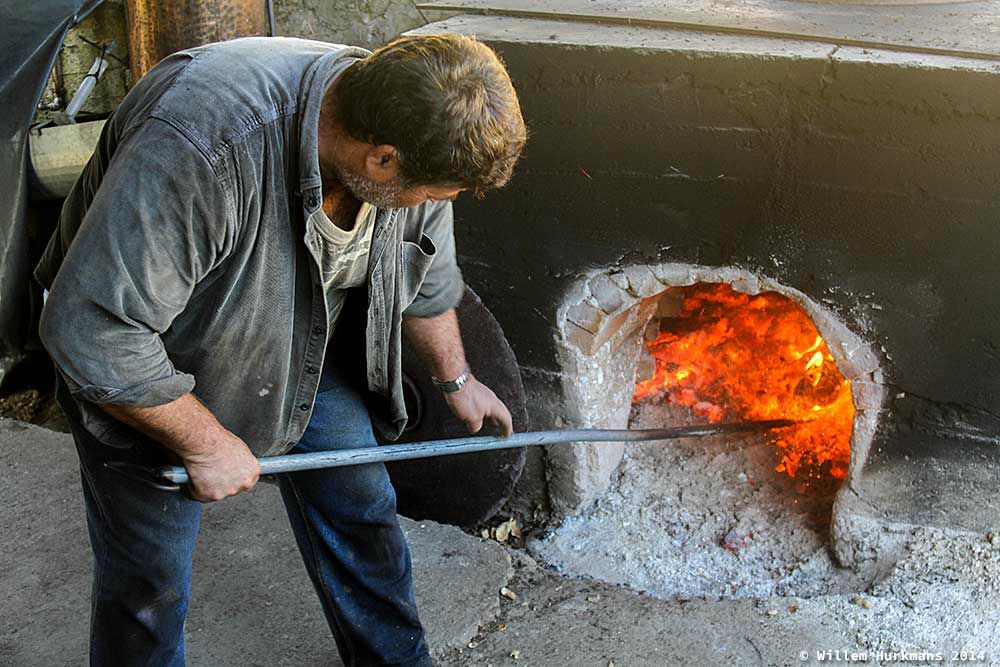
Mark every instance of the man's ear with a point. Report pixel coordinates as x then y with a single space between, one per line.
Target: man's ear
382 163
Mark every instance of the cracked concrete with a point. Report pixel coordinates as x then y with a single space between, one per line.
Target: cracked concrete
829 74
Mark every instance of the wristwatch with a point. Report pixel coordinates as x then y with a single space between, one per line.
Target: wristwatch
451 386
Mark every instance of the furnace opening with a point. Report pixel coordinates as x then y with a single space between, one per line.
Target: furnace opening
731 516
736 357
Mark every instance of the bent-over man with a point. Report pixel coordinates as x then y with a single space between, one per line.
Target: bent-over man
241 198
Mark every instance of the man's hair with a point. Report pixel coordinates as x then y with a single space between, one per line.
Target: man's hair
444 101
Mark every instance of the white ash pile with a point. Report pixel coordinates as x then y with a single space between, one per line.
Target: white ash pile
703 518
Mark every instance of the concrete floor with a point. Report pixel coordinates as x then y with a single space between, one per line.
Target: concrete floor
253 604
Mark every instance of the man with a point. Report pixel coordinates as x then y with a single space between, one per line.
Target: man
237 197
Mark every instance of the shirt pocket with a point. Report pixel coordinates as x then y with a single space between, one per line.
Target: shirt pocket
416 262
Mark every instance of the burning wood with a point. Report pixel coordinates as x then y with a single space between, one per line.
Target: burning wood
728 355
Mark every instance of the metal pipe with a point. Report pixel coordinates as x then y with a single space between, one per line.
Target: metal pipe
417 450
82 93
271 29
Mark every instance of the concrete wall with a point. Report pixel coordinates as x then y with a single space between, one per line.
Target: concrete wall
367 23
867 180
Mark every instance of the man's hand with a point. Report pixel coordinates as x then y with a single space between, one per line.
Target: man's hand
477 406
438 343
219 462
222 471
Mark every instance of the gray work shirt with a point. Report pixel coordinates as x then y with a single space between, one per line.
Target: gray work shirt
188 253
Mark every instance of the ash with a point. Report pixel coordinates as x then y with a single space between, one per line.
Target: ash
703 518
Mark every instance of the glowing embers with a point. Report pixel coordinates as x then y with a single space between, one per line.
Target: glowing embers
730 356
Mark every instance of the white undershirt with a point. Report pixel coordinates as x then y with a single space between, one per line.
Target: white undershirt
344 257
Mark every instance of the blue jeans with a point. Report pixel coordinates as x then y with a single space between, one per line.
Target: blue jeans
344 520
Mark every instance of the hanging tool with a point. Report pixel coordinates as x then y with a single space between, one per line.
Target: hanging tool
169 478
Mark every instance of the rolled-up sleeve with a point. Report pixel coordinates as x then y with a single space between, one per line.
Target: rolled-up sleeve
157 225
443 287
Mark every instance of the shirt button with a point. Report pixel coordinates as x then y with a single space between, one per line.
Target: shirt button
317 330
313 201
312 370
304 407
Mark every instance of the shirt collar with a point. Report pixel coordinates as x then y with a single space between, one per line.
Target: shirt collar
321 73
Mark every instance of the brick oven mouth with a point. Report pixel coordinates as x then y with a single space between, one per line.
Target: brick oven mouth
722 517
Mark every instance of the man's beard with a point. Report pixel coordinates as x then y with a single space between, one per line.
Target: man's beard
379 195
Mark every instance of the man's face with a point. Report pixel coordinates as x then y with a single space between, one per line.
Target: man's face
393 193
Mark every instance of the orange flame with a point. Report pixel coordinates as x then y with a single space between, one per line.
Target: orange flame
732 356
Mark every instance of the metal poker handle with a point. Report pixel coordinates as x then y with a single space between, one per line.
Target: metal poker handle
167 478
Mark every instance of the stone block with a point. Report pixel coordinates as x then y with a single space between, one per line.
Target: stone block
611 326
747 284
642 282
609 295
670 304
675 274
868 395
367 24
580 338
620 279
652 331
580 473
646 367
585 315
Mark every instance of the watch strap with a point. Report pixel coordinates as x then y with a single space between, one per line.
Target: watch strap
451 386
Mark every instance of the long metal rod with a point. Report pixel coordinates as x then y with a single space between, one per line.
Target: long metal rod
418 450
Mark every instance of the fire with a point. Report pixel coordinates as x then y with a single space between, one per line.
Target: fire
730 356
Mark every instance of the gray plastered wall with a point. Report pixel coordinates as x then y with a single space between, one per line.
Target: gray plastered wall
867 180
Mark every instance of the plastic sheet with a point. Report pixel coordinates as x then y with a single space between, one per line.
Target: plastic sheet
32 35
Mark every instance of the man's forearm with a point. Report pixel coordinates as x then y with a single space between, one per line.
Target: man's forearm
219 463
184 426
438 343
